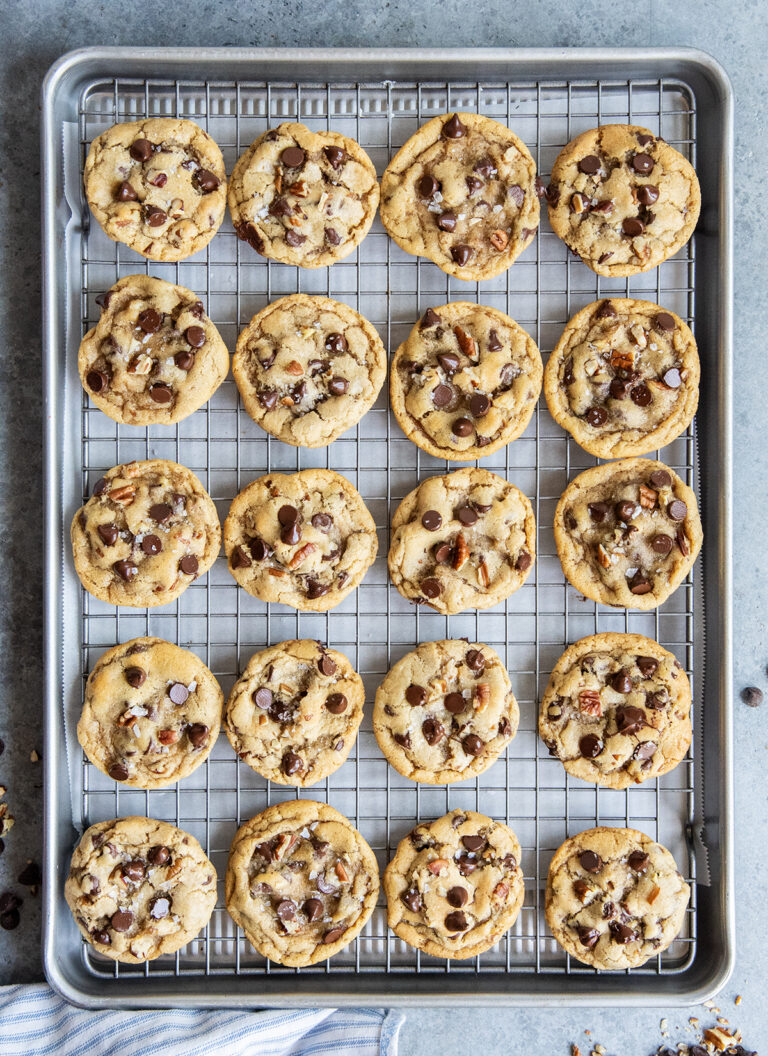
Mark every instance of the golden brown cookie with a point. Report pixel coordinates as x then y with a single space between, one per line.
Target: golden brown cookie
462 192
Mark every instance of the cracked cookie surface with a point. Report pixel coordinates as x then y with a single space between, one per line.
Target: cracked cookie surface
462 192
139 888
465 381
148 530
463 540
627 533
616 710
154 356
157 185
304 539
622 199
302 197
151 713
455 885
445 712
614 898
624 377
301 882
308 369
294 713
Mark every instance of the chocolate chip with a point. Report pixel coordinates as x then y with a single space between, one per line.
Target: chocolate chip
338 386
442 395
640 584
639 861
431 588
590 746
524 561
97 380
336 703
118 772
516 193
591 861
479 405
433 731
486 167
122 920
449 361
178 693
158 180
151 545
108 534
647 194
621 933
647 665
660 478
291 763
293 238
248 233
455 703
541 190
427 186
661 544
160 392
473 842
466 865
125 193
206 180
456 921
326 665
447 221
641 395
453 128
580 888
292 157
411 899
198 732
461 254
260 550
642 163
280 207
195 335
588 936
189 565
597 416
466 515
442 553
135 677
290 534
664 321
333 935
141 150
403 739
629 719
625 511
429 319
431 520
287 515
494 344
336 343
125 570
160 907
472 744
475 661
589 165
416 695
632 227
102 936
286 909
473 184
598 511
332 236
462 427
336 156
618 388
677 510
621 681
671 378
656 701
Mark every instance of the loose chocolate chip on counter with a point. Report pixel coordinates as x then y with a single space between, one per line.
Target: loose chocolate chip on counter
431 588
336 156
462 427
291 763
591 861
621 933
461 254
338 386
642 163
472 744
433 731
416 695
427 186
198 734
206 180
588 936
638 862
447 221
524 561
161 393
151 545
453 128
479 404
292 157
125 570
442 395
455 703
752 695
641 395
31 875
590 746
456 921
141 150
97 380
597 416
632 227
326 665
336 703
189 565
125 192
122 920
677 510
108 534
431 520
621 681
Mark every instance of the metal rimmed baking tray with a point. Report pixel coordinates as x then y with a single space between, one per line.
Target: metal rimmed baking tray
380 98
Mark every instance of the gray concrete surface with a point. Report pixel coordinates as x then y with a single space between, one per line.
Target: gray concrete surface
35 32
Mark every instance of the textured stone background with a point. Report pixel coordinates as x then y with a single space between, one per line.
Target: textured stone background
35 33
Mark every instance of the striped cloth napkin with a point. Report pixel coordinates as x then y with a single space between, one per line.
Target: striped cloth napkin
34 1021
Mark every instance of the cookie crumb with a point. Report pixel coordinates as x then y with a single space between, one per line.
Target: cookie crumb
34 756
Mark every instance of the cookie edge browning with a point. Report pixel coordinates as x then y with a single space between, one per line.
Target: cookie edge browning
329 138
568 848
421 140
517 424
337 595
377 362
584 769
212 549
185 935
664 433
294 813
567 551
624 270
410 935
391 751
404 513
220 359
197 758
358 706
167 254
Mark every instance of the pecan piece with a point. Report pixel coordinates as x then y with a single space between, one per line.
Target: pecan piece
283 845
648 497
460 552
140 364
299 188
500 240
437 866
482 695
301 554
295 368
589 702
603 556
482 573
168 736
467 344
622 360
124 494
341 872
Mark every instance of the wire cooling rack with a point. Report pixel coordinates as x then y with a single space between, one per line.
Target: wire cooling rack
375 626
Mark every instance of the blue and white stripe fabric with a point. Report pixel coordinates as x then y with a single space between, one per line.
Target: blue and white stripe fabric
34 1021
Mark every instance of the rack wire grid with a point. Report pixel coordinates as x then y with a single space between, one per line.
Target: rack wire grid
375 626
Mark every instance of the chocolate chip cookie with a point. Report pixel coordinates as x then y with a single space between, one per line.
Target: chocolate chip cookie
622 199
455 885
466 540
308 369
465 382
154 357
294 713
445 712
624 377
627 533
617 710
301 882
462 192
151 713
304 539
302 197
614 898
139 888
148 530
157 185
